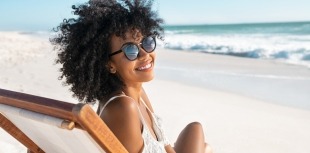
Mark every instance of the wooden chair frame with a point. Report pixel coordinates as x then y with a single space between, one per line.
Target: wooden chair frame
81 115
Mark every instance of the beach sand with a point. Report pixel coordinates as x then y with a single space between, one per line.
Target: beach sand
245 105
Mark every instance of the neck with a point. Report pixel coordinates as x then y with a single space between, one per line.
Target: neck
133 92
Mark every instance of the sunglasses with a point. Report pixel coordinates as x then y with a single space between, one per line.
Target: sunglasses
131 50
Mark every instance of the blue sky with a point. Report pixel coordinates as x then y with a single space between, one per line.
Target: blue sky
44 14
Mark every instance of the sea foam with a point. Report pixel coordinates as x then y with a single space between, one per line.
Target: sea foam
277 42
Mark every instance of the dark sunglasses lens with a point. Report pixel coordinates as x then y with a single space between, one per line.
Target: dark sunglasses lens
131 51
149 44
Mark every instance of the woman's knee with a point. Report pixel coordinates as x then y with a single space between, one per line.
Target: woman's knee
194 130
195 126
191 139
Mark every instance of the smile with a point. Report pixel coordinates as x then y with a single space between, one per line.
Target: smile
145 67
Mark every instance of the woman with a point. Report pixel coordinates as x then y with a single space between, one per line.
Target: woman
106 55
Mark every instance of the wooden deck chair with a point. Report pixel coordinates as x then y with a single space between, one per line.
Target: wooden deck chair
52 126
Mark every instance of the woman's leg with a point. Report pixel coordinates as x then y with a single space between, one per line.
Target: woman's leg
191 140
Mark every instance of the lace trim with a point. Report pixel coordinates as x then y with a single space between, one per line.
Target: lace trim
158 126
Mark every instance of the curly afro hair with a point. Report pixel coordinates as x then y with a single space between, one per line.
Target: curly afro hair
83 43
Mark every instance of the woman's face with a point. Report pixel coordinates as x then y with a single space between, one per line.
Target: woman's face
136 71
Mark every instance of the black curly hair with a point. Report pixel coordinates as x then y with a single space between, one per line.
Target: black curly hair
83 43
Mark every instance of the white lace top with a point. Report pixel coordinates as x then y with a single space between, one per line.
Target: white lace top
151 145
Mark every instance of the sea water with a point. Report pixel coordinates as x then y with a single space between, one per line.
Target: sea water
287 41
284 42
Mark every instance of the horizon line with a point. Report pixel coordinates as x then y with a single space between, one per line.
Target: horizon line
237 23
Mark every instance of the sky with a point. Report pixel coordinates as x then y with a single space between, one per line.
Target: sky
44 14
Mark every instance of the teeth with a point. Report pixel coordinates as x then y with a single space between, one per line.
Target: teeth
145 67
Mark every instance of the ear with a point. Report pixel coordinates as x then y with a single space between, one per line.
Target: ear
110 66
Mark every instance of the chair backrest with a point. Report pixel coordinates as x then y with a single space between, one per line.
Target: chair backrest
47 125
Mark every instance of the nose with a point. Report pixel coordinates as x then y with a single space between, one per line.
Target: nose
142 54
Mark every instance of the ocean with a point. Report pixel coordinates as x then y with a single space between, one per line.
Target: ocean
286 41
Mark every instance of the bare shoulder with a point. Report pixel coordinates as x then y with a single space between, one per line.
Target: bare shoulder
123 104
122 110
122 116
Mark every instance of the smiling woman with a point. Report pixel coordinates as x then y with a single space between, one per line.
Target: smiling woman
106 54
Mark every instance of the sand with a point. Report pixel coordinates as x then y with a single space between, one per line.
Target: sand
245 105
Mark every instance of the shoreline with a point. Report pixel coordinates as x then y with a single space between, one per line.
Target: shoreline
266 80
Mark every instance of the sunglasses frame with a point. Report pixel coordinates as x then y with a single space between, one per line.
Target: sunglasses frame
137 45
